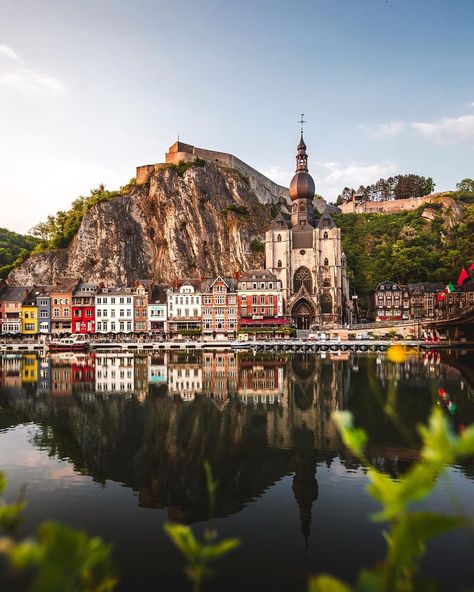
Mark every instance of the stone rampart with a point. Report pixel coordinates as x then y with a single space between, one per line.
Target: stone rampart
388 207
267 190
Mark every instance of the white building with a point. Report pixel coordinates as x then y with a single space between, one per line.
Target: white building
158 309
184 306
114 310
114 372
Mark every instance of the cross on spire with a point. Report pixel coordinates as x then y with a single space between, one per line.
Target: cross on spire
301 122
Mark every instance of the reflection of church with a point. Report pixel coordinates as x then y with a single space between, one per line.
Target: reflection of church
306 255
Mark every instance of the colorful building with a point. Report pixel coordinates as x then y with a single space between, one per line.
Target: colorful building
61 306
29 314
43 302
140 308
184 307
83 308
219 307
12 298
260 302
390 302
158 309
114 310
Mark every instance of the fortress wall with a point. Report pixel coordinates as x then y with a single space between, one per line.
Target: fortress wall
387 207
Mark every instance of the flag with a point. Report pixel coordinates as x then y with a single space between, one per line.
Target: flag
440 296
463 275
471 267
449 288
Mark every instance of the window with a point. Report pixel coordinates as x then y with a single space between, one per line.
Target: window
326 261
279 263
302 277
55 312
279 238
325 236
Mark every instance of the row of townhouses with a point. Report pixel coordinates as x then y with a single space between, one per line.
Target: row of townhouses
398 302
211 306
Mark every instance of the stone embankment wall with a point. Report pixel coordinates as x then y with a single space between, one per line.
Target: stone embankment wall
389 207
266 190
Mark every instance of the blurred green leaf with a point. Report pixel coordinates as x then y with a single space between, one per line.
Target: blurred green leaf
325 583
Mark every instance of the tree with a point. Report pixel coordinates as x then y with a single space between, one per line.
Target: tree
466 185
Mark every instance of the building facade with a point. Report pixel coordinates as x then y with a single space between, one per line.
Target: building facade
29 314
306 256
390 302
158 309
83 308
219 307
184 306
260 301
61 306
114 310
12 298
140 309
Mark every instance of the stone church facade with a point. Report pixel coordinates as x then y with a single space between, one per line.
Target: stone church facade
306 255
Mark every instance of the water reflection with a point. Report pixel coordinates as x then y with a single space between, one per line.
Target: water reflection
147 421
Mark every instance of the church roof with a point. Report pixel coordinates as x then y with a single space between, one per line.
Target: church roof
281 220
326 220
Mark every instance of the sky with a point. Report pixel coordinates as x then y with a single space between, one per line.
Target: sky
91 89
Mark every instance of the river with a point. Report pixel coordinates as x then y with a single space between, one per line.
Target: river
113 443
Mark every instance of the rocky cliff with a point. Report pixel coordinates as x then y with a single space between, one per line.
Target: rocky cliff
202 221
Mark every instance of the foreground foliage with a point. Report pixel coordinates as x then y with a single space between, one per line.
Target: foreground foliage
57 558
408 531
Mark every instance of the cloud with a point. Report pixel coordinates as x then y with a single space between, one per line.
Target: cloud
339 176
447 130
278 175
10 53
27 79
20 77
382 130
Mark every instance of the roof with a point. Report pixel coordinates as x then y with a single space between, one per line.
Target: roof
65 285
281 220
326 220
158 294
258 274
85 289
430 287
207 283
14 293
116 291
194 282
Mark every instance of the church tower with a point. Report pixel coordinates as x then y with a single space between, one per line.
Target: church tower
306 255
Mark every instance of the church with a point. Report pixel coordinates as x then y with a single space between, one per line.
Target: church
306 254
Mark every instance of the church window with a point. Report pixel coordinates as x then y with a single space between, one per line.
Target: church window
302 252
302 207
325 236
327 283
302 277
279 238
326 303
279 263
326 261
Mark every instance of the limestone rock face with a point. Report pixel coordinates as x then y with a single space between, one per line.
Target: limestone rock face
171 226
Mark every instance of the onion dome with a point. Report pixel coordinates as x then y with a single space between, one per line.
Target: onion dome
302 185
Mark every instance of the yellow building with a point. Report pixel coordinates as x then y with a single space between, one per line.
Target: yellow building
29 318
29 368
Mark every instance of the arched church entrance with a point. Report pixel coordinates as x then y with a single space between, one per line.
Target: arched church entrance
303 315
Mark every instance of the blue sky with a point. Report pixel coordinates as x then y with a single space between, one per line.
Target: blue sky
90 89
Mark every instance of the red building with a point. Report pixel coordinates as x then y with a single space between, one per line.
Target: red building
83 308
260 301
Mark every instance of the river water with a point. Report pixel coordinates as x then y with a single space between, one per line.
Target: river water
113 443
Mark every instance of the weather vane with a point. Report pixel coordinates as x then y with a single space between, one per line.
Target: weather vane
302 121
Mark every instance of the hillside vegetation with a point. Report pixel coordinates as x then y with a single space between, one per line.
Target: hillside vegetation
14 249
430 243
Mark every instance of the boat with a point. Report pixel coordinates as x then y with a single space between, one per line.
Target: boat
73 343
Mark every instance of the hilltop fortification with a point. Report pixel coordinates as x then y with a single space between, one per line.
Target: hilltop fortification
267 191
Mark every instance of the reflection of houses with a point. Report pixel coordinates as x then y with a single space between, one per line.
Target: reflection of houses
61 375
83 372
114 372
141 376
10 370
261 381
29 368
184 376
157 369
44 376
219 376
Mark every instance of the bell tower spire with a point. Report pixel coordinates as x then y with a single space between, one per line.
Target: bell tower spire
302 187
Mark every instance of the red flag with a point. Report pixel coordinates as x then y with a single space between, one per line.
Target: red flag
462 276
440 296
471 267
